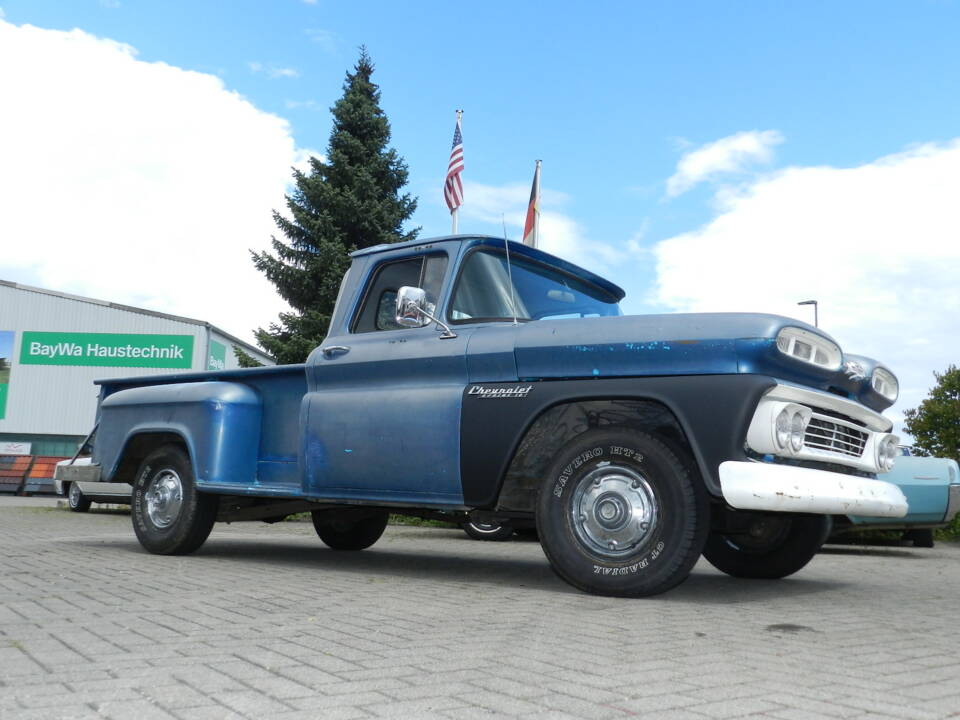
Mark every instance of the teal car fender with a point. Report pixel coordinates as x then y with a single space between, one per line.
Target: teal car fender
932 488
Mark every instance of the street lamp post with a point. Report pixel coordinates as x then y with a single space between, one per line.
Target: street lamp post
816 320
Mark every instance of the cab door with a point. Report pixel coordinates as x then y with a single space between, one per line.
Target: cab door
382 413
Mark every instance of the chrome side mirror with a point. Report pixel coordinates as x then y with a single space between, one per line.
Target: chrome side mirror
411 302
414 311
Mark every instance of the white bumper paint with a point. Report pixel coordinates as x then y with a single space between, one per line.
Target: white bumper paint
785 488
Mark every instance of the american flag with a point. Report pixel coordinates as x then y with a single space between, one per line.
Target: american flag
452 187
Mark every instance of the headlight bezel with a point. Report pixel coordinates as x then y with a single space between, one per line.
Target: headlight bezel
809 347
885 384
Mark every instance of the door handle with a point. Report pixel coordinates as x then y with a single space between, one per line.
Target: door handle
331 350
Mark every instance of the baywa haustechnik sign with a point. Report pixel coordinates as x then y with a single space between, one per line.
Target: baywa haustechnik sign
106 350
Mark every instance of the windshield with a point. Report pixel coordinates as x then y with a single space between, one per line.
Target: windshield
539 292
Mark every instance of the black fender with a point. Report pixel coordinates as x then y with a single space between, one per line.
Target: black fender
713 412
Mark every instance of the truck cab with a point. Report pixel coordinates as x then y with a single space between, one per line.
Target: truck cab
470 378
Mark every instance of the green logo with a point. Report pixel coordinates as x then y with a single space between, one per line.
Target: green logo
107 350
217 359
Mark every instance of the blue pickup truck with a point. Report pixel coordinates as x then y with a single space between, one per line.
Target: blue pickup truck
467 378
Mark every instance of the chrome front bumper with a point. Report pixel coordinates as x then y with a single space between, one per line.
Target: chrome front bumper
786 488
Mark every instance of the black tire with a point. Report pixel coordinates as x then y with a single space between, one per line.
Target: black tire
920 538
76 500
350 528
620 514
170 517
528 533
774 547
487 531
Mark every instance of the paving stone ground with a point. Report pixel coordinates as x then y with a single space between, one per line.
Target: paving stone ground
265 622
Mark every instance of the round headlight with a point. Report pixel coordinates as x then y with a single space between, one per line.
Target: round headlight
797 429
783 428
887 452
892 451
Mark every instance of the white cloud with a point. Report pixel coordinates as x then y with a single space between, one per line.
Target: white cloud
272 71
136 182
327 40
727 155
284 72
560 234
877 245
302 104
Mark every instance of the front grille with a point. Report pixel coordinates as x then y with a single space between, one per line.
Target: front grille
833 435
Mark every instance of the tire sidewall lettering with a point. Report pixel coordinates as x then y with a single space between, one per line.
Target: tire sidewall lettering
614 454
573 465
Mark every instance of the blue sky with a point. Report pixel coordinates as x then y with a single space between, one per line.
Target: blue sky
826 97
602 93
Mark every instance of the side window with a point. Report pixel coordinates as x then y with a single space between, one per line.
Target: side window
379 303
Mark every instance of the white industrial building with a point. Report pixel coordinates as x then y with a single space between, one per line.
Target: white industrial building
54 345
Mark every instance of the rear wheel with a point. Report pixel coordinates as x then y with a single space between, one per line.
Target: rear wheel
77 501
350 528
487 531
619 514
920 538
769 546
169 516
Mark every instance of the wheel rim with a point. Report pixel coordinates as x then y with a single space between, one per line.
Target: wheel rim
164 498
614 510
763 535
74 494
486 528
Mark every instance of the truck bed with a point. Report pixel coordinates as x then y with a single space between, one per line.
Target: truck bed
264 442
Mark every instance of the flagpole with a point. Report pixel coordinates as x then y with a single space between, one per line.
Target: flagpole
455 213
536 213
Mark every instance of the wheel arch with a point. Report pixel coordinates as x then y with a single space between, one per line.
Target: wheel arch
502 436
139 444
559 424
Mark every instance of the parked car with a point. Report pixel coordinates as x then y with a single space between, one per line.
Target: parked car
932 488
466 379
67 479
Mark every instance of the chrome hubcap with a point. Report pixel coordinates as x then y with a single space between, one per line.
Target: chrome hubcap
614 510
164 498
74 494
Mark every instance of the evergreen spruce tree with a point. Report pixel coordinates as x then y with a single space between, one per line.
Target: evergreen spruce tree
350 201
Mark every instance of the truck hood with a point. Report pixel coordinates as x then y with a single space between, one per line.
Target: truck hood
679 344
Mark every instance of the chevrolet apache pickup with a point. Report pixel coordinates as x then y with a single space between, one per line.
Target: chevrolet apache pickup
465 378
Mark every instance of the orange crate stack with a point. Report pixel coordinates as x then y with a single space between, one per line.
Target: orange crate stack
13 469
40 477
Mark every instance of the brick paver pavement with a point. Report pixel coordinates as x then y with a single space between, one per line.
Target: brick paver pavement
265 622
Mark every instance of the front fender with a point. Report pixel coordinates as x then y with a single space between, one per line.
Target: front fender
219 422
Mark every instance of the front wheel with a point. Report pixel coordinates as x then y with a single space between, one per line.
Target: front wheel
77 501
169 516
769 546
350 528
620 514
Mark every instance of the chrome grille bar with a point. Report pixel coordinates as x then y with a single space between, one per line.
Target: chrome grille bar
832 434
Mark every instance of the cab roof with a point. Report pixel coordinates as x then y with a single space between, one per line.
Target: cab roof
498 242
